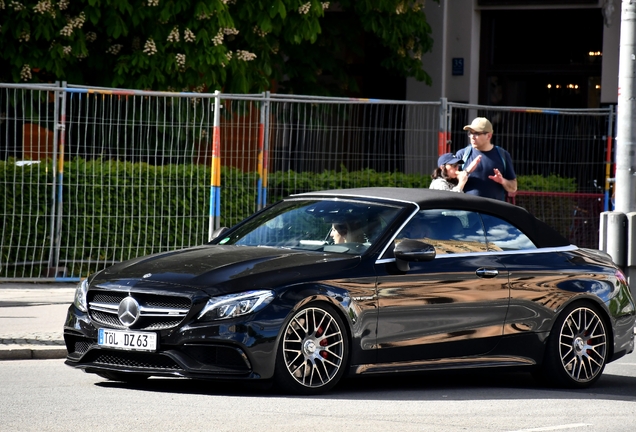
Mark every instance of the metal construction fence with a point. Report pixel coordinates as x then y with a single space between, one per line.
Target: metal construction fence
94 176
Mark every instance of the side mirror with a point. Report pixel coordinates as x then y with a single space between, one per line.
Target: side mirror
219 231
412 251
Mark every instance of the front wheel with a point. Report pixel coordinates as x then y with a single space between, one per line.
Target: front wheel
577 348
313 351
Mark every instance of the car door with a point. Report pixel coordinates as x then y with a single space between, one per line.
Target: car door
534 280
454 305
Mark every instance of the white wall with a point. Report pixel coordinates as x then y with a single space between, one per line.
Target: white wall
432 61
455 27
463 38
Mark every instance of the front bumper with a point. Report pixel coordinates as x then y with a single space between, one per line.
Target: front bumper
230 350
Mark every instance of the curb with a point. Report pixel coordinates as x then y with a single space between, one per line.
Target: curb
22 352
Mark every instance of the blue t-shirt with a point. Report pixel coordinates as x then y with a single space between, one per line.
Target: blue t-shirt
478 182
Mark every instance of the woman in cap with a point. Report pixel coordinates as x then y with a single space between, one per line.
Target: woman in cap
447 175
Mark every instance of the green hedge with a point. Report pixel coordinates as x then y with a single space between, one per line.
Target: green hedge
112 211
551 183
282 184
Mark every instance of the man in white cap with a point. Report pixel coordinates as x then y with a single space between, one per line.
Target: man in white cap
490 170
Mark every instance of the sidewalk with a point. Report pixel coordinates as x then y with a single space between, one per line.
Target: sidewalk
32 319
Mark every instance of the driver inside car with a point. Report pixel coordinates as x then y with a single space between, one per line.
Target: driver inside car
347 232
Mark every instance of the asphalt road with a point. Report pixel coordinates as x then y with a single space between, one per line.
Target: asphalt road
45 395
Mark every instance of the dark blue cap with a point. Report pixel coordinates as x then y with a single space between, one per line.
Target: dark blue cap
448 158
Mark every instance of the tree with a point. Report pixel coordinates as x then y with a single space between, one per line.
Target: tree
239 46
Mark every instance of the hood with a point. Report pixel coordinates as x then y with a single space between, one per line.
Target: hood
225 268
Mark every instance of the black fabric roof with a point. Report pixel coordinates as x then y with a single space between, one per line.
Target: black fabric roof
541 234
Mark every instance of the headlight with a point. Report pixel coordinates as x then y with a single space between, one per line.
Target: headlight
234 305
80 295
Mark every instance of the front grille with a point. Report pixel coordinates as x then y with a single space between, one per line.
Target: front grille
109 319
109 298
156 312
136 360
162 325
80 347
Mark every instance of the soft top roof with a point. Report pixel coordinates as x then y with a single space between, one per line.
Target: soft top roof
541 234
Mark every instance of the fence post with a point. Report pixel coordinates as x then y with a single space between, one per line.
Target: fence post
443 145
263 136
61 127
59 109
608 159
266 149
53 226
215 176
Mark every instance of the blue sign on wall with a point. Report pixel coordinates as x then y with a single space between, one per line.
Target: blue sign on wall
458 66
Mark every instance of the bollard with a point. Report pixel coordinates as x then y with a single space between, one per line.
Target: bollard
602 231
616 237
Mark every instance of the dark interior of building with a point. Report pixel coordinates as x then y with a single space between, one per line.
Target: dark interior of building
541 58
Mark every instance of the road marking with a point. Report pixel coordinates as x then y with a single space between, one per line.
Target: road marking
551 428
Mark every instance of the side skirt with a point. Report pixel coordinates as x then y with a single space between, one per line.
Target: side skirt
443 364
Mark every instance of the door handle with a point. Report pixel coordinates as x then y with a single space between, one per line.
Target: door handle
487 273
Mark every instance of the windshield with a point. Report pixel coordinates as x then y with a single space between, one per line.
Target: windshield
320 225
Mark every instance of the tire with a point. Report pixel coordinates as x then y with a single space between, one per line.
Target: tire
577 348
123 377
313 351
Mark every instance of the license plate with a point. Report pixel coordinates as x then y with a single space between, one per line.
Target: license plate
127 340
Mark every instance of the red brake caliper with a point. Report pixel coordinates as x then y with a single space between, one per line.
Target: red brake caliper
323 354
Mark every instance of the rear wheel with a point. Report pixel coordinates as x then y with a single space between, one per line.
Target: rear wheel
313 351
577 348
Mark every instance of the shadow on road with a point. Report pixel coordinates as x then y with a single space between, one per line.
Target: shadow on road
475 385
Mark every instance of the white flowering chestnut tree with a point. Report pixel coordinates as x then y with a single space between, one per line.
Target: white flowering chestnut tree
240 46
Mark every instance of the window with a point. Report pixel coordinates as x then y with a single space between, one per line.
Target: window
502 236
448 231
312 225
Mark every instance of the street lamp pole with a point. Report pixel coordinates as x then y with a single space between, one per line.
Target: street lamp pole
618 227
626 112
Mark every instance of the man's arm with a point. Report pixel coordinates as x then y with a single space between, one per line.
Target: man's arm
509 185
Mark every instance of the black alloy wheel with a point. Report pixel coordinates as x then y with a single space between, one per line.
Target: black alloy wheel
313 351
577 348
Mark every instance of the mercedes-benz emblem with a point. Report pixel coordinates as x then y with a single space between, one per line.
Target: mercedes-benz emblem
128 311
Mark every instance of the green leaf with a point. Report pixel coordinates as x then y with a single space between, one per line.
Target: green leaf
265 23
93 15
281 10
267 69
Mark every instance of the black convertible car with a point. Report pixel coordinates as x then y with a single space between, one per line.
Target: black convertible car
358 281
